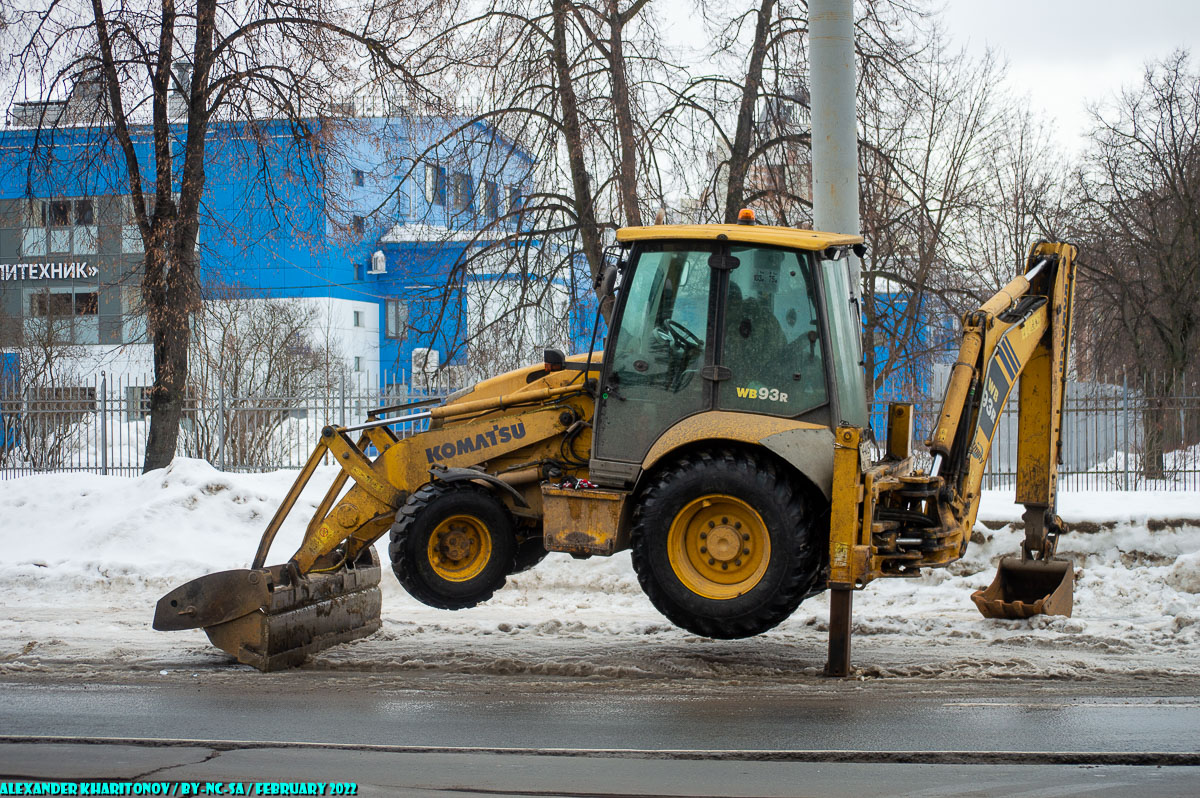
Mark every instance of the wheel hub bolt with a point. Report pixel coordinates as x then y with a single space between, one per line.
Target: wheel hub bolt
704 536
737 562
746 536
704 550
711 561
737 524
711 524
724 566
745 551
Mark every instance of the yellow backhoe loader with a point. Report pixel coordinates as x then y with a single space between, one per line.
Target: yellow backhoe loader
722 435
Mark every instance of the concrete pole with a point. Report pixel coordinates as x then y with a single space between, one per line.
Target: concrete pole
835 210
834 125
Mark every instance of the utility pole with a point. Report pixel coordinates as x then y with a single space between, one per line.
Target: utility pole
832 88
835 210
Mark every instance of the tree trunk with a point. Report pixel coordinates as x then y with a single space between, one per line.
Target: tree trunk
739 157
1153 438
624 116
170 341
170 373
585 212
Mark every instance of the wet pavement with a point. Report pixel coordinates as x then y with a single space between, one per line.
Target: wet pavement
457 735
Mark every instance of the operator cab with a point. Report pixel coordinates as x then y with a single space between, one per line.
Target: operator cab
728 318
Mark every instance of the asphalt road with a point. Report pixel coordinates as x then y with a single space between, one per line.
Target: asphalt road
923 717
565 738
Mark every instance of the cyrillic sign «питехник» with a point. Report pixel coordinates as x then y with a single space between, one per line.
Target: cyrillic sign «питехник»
47 271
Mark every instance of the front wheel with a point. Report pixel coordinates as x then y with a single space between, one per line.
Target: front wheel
723 544
452 545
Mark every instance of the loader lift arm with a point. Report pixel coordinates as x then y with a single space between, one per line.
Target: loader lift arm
889 519
327 592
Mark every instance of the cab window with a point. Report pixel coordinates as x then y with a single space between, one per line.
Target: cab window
772 335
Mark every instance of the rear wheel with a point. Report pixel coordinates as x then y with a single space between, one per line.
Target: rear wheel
452 545
723 544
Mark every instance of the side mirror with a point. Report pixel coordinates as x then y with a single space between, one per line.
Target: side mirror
606 289
607 283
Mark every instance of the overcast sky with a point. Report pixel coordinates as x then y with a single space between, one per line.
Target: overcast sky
1064 53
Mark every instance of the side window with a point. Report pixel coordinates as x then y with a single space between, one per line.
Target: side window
772 335
661 340
654 377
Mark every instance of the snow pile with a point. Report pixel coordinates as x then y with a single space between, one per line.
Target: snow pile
84 531
86 557
1185 573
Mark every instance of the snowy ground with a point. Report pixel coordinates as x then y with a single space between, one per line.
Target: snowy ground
84 559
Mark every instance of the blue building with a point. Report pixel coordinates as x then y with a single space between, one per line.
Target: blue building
391 228
914 342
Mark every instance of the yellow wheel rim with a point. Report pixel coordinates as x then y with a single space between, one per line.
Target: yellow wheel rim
459 548
719 547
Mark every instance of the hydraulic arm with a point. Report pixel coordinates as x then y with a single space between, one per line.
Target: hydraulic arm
888 519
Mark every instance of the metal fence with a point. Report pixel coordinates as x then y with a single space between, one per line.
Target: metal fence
1117 436
102 427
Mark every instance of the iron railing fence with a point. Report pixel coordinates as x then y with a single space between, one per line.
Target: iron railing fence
1117 435
102 427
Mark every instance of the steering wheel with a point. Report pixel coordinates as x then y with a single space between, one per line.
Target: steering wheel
681 336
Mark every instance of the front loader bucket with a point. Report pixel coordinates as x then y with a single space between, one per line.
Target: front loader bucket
266 618
1024 588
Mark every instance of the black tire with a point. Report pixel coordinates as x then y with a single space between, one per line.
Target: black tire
768 581
466 513
530 552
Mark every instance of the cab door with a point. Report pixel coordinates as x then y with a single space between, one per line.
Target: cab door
772 341
662 342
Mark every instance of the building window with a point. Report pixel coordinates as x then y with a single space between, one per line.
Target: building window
358 177
360 225
491 199
85 212
60 241
86 304
396 322
358 318
58 213
54 305
460 191
65 315
403 206
137 402
435 184
33 242
514 199
357 363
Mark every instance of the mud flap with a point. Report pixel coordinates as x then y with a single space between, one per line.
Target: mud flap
282 619
1026 587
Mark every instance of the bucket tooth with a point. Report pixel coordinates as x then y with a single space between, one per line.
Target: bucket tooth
1024 588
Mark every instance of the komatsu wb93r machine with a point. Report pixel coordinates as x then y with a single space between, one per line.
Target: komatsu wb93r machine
722 435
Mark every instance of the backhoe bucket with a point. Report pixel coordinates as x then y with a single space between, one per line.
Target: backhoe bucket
271 619
1024 588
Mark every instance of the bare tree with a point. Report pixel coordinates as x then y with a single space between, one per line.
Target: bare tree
255 360
558 105
1138 223
44 403
927 148
244 63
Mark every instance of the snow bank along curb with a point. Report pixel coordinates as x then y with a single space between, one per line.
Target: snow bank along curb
113 545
